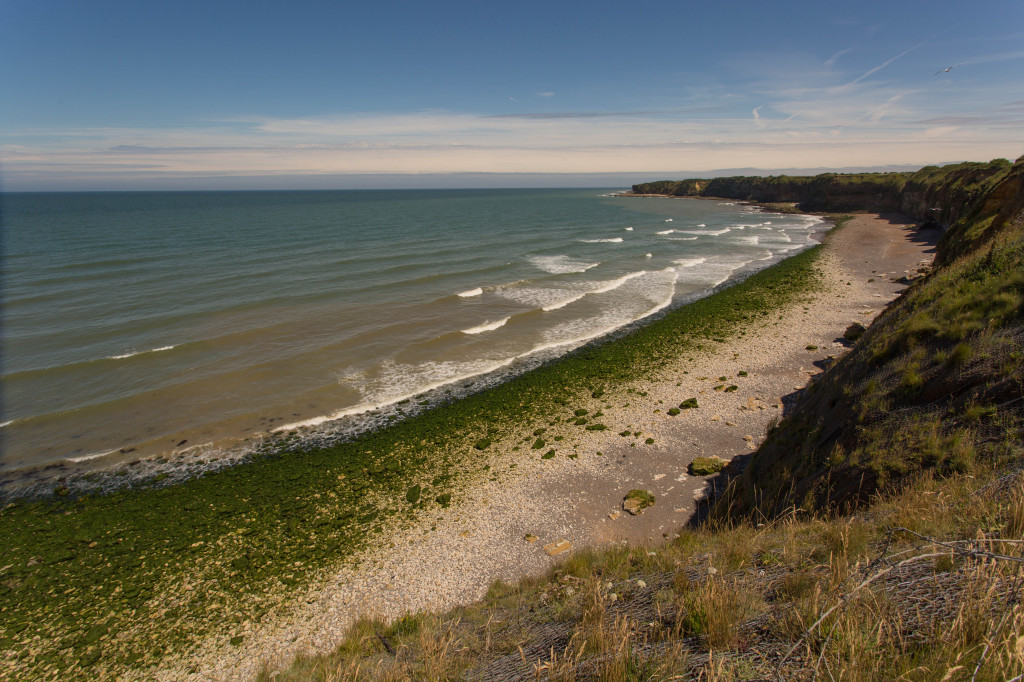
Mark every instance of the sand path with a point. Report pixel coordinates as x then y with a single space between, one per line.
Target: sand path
482 538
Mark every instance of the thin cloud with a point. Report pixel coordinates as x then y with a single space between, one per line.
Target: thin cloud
545 94
571 114
757 118
834 58
987 59
887 62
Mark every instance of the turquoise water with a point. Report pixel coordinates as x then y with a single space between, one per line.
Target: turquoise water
135 321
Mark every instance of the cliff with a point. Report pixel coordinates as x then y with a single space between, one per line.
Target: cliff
935 385
936 193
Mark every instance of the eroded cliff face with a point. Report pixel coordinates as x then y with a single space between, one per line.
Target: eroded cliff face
936 384
932 193
825 192
943 193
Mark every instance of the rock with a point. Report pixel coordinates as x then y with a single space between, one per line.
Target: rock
556 548
748 438
854 331
637 500
614 515
530 537
705 466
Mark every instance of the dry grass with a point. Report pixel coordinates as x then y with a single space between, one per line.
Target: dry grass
924 585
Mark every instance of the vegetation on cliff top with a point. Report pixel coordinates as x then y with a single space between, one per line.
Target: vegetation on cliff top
934 192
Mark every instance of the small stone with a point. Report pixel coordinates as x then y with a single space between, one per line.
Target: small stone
614 515
530 537
716 418
556 548
748 438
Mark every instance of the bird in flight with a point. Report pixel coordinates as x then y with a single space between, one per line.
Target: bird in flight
945 70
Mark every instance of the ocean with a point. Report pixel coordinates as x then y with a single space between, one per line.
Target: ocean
143 323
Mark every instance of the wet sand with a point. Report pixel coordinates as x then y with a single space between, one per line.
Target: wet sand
452 557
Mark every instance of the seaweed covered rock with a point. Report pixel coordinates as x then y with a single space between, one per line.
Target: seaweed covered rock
705 466
637 500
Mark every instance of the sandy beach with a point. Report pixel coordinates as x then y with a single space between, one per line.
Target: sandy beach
570 502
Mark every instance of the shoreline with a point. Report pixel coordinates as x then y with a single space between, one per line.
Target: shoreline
454 558
294 548
131 470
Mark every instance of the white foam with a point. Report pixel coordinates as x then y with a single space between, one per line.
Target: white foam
486 327
613 240
471 292
668 220
396 382
746 240
656 288
683 239
649 255
701 225
547 298
689 262
86 458
629 229
8 423
564 302
665 232
561 265
712 233
132 354
616 283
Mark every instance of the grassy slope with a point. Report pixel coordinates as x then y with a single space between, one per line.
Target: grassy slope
936 383
915 435
114 583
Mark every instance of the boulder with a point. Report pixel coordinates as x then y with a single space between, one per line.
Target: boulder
854 331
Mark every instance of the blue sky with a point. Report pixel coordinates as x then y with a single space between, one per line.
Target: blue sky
123 95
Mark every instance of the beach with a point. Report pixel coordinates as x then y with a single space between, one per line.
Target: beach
453 555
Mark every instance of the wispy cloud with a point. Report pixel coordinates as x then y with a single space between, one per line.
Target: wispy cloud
872 72
987 59
757 118
830 62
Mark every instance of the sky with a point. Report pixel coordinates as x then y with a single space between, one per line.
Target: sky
225 94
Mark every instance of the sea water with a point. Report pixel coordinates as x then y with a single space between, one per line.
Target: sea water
141 323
